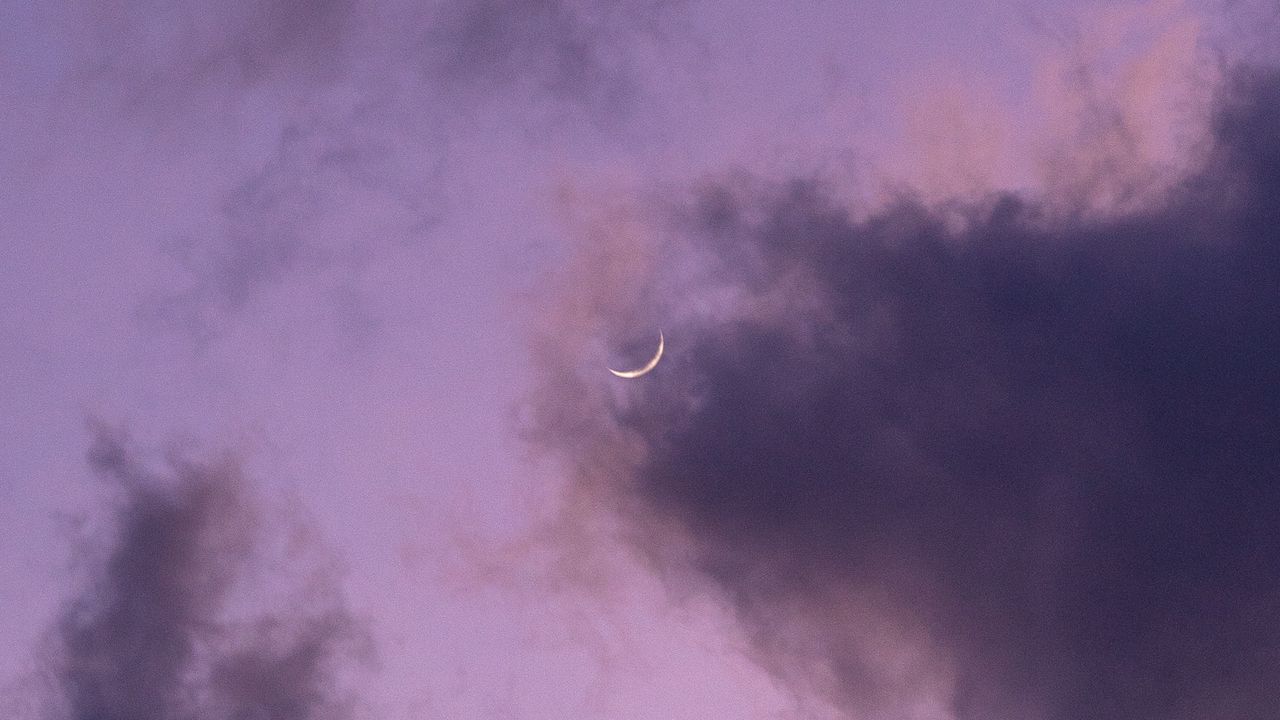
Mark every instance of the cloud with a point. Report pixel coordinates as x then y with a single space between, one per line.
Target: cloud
154 53
326 204
353 168
1125 100
976 460
1115 108
568 51
179 65
331 131
163 629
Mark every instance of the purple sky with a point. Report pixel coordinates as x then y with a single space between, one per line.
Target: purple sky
306 309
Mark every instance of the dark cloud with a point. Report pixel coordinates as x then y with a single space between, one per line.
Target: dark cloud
981 461
157 634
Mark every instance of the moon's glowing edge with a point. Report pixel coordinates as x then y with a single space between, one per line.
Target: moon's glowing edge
647 367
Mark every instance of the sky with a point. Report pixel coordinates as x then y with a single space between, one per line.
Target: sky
967 411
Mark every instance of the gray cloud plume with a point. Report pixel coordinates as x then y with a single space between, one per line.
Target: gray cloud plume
159 635
569 51
977 462
151 55
154 53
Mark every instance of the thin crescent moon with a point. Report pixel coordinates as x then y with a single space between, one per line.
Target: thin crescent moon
647 366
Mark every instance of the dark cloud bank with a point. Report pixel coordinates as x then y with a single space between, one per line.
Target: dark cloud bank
1025 465
155 635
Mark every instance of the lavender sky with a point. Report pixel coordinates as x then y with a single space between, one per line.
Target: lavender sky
969 408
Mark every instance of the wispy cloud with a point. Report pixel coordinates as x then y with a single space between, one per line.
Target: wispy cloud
151 54
568 51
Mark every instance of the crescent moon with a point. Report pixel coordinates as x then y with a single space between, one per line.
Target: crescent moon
647 366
